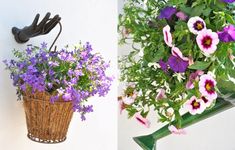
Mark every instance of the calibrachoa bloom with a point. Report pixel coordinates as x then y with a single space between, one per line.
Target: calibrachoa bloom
207 101
228 1
207 86
228 34
163 65
195 105
181 44
167 12
142 120
181 15
129 100
194 77
177 53
177 64
73 75
121 104
207 41
161 94
196 25
167 35
176 131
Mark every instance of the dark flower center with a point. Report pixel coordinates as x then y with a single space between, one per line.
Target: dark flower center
141 121
207 41
195 104
209 86
204 99
198 25
166 36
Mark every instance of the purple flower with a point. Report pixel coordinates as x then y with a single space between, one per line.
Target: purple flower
54 98
163 65
74 81
50 85
29 50
33 60
83 118
70 72
23 87
67 96
228 34
51 72
43 45
228 1
54 64
78 73
61 73
167 12
177 64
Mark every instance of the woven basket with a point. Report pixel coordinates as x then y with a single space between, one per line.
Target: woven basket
46 122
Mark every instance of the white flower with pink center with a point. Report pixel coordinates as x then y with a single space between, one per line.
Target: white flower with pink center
207 86
196 25
142 120
207 41
195 105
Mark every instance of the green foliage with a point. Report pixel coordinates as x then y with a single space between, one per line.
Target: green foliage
199 65
140 24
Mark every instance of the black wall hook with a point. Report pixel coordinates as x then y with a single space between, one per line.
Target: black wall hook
36 29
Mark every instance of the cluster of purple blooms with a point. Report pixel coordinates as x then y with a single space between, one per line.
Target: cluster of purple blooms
73 75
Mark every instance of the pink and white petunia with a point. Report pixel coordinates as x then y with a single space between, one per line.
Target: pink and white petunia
196 25
167 35
128 100
121 105
142 120
177 53
207 41
207 101
207 86
161 94
195 106
175 130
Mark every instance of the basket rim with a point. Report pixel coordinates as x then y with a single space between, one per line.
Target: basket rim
26 97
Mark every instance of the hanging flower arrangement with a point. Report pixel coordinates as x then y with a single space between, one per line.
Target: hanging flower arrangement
187 64
73 75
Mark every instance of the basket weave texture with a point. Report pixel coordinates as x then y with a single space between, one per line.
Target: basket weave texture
47 122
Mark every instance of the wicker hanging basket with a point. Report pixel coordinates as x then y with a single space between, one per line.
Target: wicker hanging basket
47 122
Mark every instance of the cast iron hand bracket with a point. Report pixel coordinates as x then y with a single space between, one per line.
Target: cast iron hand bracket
36 29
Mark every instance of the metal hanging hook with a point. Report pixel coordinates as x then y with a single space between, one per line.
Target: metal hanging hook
56 37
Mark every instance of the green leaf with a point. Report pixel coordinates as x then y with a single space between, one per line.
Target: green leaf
200 65
225 86
207 12
229 19
197 11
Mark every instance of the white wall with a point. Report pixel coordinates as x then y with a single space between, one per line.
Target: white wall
215 133
87 20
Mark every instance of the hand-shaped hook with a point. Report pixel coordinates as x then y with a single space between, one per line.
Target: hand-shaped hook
35 29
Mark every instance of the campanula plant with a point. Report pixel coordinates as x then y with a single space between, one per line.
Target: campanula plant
73 75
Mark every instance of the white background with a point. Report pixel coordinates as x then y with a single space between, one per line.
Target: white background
87 20
215 133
